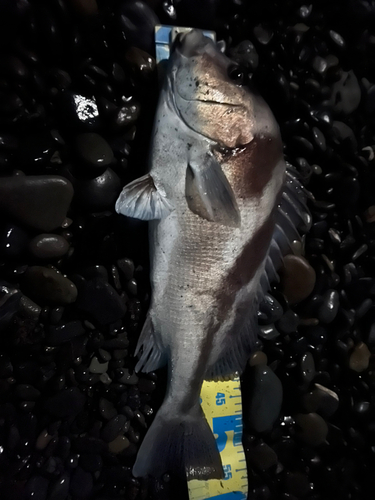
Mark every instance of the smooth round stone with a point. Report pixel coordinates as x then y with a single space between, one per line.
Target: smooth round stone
101 301
344 135
138 22
40 202
319 139
297 483
26 392
97 367
321 400
119 444
126 266
81 484
262 34
337 39
312 428
43 439
262 456
10 299
107 409
37 488
289 322
140 61
245 54
57 335
90 462
99 193
258 358
328 310
94 150
265 398
48 286
268 332
48 246
360 358
307 367
346 93
60 488
297 278
270 309
13 241
67 403
113 428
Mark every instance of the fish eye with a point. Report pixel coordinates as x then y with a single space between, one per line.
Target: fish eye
237 74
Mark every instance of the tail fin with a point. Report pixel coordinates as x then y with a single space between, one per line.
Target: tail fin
182 444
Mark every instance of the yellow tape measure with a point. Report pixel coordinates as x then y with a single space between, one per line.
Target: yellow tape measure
222 405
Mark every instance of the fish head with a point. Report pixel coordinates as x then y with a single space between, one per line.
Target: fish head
205 94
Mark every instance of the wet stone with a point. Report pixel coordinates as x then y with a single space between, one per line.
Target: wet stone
146 385
262 456
13 241
321 400
10 299
297 483
59 489
258 358
126 266
265 398
88 444
307 368
140 61
48 286
37 487
97 367
26 392
319 139
289 322
245 54
311 428
40 202
67 403
48 246
57 335
330 306
101 301
270 310
360 358
297 278
119 444
346 93
81 483
90 462
138 21
99 193
113 428
94 150
337 39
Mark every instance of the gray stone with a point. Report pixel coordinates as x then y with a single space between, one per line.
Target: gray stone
266 394
94 150
312 428
48 246
48 286
40 202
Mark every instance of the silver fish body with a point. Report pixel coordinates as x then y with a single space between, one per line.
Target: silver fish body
213 194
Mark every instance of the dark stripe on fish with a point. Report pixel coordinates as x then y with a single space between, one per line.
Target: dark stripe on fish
245 267
252 167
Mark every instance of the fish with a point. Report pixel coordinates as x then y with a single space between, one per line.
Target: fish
223 208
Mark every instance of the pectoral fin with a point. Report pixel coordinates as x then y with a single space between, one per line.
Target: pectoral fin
208 192
141 199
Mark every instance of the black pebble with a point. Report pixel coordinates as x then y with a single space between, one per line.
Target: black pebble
67 403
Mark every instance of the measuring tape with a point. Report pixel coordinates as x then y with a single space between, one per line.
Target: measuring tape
220 401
